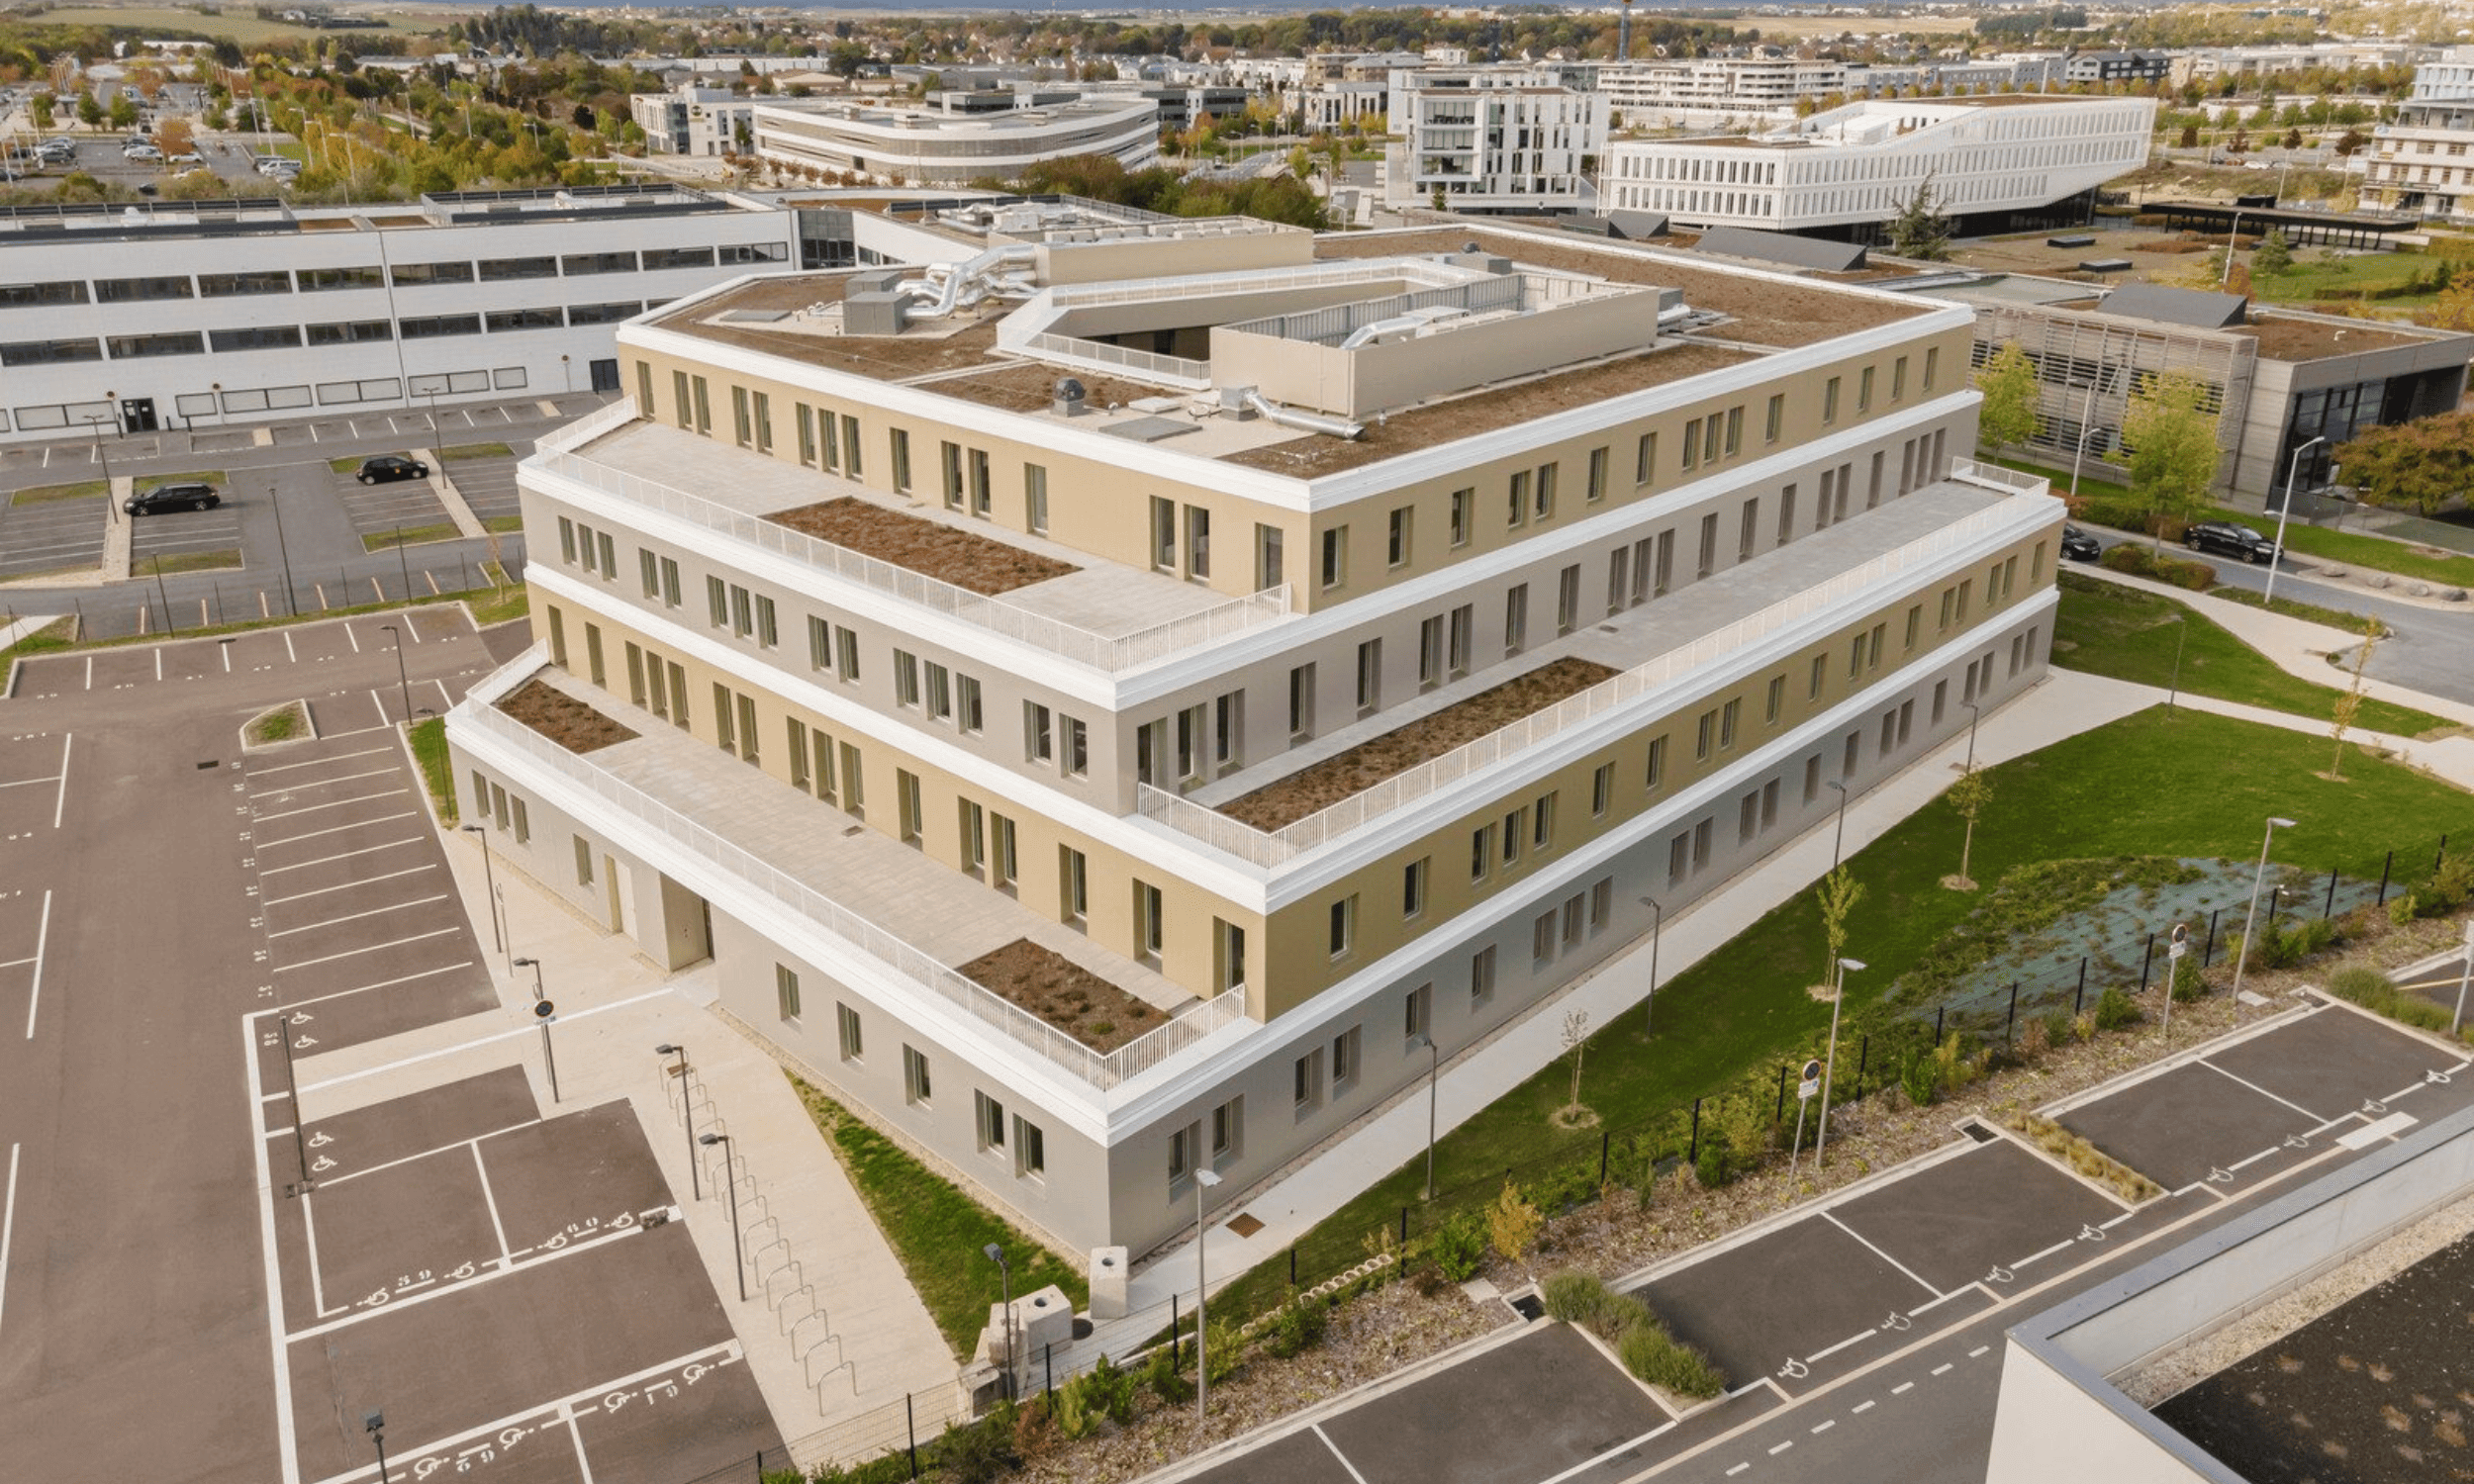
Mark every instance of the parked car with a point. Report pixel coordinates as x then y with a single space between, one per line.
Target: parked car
185 158
192 495
142 151
2229 539
2078 546
388 467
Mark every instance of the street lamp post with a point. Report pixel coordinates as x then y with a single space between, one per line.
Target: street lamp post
687 1117
2232 240
1205 1179
2293 468
2242 956
1434 1067
375 1425
291 600
541 1011
2173 688
1974 716
2457 1021
1648 1002
1830 1058
738 1259
488 882
1839 837
401 679
1004 1273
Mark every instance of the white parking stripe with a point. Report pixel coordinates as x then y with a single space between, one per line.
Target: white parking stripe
338 829
321 782
418 901
1336 1453
345 856
372 948
276 901
331 805
364 752
61 803
34 991
319 999
8 1224
1884 1256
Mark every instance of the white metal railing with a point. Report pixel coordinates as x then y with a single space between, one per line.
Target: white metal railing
1102 1069
1245 281
1994 476
1268 848
1048 345
1109 652
591 426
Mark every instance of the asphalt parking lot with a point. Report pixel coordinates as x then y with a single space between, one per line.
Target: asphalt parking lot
488 484
381 509
51 536
188 537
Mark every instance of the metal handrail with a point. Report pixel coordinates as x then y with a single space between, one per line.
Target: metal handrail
1268 848
1101 1069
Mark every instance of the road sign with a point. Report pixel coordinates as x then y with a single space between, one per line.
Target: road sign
1808 1084
544 1008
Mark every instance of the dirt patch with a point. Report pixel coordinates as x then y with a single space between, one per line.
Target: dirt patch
1362 767
562 718
1064 993
927 547
2282 339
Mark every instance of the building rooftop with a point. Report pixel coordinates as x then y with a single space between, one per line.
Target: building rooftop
252 216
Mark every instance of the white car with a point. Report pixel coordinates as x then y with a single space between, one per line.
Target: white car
142 151
185 158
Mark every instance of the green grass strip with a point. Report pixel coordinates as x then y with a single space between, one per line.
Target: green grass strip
2106 629
223 559
428 739
476 451
935 1230
409 535
84 489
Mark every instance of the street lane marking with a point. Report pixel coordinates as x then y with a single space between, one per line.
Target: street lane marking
1943 1366
311 927
8 1224
1781 1447
1902 1388
1978 1350
334 804
289 652
364 752
338 829
355 638
1825 1424
279 1351
1336 1453
1884 1256
34 991
1738 1468
1862 1407
276 901
370 948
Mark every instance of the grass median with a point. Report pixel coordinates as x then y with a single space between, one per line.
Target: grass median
409 535
2192 784
2128 633
437 771
84 489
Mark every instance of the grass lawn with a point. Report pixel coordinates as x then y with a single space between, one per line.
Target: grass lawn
936 1232
2190 785
214 477
44 640
235 23
2094 481
504 524
428 739
409 535
221 560
499 604
476 451
84 489
2312 275
2104 628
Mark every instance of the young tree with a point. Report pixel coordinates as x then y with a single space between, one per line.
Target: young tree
1968 797
2009 383
1576 1041
2274 254
89 112
41 107
2419 465
1920 230
2169 440
2349 704
1838 894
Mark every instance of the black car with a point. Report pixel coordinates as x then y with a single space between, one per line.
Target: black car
2078 546
2225 537
181 496
391 466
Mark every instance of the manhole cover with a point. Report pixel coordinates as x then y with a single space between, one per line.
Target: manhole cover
1244 1224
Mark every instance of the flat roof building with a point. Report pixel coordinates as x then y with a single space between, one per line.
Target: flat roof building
936 147
1107 697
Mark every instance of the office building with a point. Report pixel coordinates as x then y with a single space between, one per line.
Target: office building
931 146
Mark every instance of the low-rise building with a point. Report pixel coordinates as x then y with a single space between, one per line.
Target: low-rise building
2419 162
691 119
1487 140
940 147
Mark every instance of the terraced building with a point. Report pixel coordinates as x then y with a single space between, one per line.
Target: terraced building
1109 702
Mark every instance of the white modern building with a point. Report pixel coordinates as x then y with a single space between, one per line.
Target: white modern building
199 312
938 147
692 119
1492 141
2419 163
1291 652
1849 168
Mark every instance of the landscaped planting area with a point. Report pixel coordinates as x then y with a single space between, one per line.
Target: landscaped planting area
927 547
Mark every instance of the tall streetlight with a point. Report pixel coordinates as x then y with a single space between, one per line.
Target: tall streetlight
1839 838
2242 956
1648 1002
401 679
1004 1276
374 1422
488 882
1434 1067
1974 716
2465 976
291 598
1205 1179
738 1258
2173 688
2293 468
687 1117
542 1009
2232 240
1830 1060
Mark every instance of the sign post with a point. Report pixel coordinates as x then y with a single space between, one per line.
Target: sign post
1807 1087
2457 1021
2174 954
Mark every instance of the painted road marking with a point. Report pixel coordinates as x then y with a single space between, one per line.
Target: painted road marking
1781 1447
370 948
276 901
317 1287
1336 1453
368 850
2256 1088
384 1301
1884 1256
475 1140
453 1051
1624 1447
1978 1350
8 1224
1943 1366
321 782
365 752
355 638
340 828
1825 1424
336 803
418 901
504 1259
1862 1407
1902 1388
269 1250
34 990
1738 1468
318 1000
61 803
289 652
1817 1356
2372 1133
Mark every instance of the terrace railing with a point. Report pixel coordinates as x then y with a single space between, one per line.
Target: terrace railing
1101 1069
1268 848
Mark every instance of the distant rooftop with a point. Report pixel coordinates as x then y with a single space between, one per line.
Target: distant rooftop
249 215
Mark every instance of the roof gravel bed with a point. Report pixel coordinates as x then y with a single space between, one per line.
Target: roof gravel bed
1063 993
1278 805
927 547
562 718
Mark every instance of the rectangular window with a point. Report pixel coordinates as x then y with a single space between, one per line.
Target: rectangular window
636 674
1786 515
846 655
1369 676
1748 534
1344 926
1270 565
1163 535
1542 937
1396 538
971 822
806 420
1704 733
669 583
1516 620
1417 1016
1709 545
1481 975
1307 1079
1601 791
1568 600
907 806
1692 443
1597 476
1302 703
1735 431
1932 367
901 445
1546 490
1039 743
1457 647
1863 391
1335 569
768 627
1516 511
1829 401
1149 933
1035 499
1228 1130
1228 955
1001 858
717 601
723 722
1413 887
850 446
905 677
949 457
1077 748
794 732
1462 500
1728 715
1657 762
846 1021
1073 884
940 693
1777 420
915 1086
786 992
583 861
1645 458
1430 652
1898 379
968 714
1031 1148
1344 1059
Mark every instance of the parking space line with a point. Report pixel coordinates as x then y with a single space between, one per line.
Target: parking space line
368 850
442 1148
318 1285
61 803
580 1245
280 1353
458 1050
506 1259
1819 1355
355 638
370 948
158 661
1335 1452
320 782
319 999
289 652
575 1434
364 752
1833 1219
1587 1465
2064 1245
34 990
28 783
332 804
276 901
2262 1091
336 830
311 927
8 1224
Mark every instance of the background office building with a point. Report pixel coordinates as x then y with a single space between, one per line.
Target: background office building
955 147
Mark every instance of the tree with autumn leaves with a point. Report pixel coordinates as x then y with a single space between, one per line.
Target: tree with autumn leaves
2419 465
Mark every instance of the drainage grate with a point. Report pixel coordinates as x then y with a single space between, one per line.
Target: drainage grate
1528 1306
209 763
1977 1132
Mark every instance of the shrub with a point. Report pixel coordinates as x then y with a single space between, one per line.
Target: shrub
1101 1391
2404 908
1299 1326
2139 561
1713 1167
2189 984
1461 1247
2114 1011
1655 1357
1165 1381
1225 1351
1920 1078
2059 1028
1574 1298
2364 986
2035 1040
978 1452
1513 1222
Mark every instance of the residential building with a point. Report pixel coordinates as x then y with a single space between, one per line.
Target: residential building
2417 164
236 311
1487 140
1107 700
691 119
2117 66
935 147
1996 163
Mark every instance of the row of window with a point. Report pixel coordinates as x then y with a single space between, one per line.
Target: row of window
296 336
159 287
997 1134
